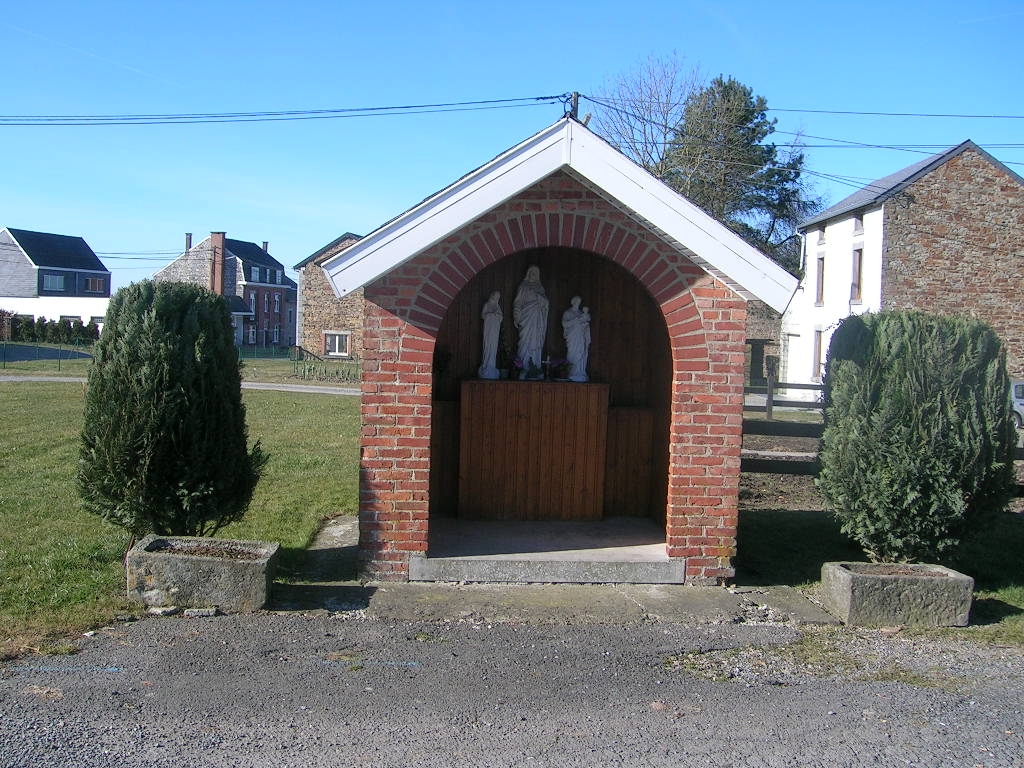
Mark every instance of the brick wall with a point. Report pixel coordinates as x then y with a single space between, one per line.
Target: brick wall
954 244
706 328
322 311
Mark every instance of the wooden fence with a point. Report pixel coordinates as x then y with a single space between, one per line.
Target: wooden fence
792 463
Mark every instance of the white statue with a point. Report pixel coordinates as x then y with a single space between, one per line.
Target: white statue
530 315
576 329
492 317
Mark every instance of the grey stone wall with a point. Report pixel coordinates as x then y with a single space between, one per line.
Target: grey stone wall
322 311
17 276
954 246
193 266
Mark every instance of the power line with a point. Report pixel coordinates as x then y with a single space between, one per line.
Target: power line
135 253
837 143
276 116
931 147
867 114
895 114
877 189
849 181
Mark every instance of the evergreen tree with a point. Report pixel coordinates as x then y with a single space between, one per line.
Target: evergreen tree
919 433
164 441
720 160
710 142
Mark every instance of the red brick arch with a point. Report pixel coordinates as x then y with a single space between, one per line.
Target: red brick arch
405 309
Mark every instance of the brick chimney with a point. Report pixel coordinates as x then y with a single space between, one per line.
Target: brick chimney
217 262
188 241
266 246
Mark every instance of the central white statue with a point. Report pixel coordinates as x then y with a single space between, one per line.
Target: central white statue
576 330
492 317
530 317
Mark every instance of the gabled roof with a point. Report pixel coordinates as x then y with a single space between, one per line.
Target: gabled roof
328 248
877 192
57 251
251 253
566 145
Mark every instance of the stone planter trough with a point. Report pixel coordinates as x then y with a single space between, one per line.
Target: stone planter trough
197 572
889 594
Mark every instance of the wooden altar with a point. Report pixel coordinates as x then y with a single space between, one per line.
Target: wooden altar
532 450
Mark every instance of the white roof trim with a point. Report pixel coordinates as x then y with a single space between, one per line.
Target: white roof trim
570 146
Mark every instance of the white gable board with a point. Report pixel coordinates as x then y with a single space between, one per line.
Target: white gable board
566 145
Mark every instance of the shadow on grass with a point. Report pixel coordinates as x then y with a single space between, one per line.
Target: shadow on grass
784 546
993 555
990 610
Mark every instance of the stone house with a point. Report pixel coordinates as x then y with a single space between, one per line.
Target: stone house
648 450
942 235
58 277
328 326
261 297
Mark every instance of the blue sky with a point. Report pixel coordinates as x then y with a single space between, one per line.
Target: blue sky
135 190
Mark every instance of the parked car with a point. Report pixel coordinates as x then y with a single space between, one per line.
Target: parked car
1018 403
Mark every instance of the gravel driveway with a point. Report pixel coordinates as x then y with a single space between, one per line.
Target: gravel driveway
346 688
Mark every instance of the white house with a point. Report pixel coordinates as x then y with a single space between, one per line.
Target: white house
53 276
942 235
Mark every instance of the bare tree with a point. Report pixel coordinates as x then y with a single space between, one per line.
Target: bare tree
640 110
711 142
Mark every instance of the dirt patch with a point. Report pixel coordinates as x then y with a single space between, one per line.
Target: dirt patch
895 569
759 491
795 445
205 549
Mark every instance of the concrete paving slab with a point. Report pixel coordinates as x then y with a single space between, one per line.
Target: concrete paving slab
553 603
329 582
579 604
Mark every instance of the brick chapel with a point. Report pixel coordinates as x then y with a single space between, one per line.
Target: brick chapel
652 434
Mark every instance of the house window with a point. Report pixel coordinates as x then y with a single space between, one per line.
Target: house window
277 333
819 339
858 224
255 274
94 285
278 280
855 282
252 302
252 333
277 303
291 316
819 295
266 302
97 319
53 282
336 343
821 235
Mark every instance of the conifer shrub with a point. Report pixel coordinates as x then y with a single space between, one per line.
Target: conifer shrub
164 445
919 435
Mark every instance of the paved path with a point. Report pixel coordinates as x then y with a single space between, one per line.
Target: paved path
461 687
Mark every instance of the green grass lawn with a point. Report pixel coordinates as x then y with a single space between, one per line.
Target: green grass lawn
783 546
61 568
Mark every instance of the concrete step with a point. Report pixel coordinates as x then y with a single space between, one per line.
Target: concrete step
534 570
